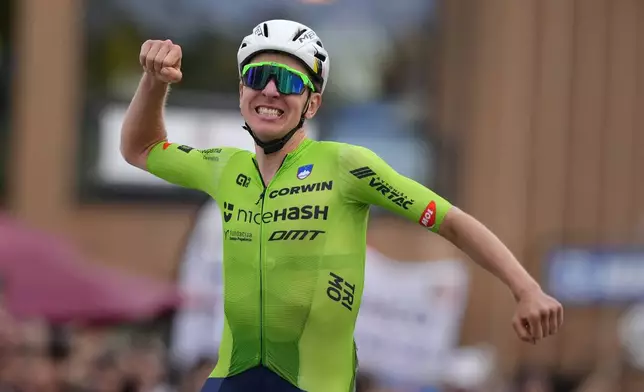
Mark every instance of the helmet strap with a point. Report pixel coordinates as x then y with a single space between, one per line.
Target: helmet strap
275 145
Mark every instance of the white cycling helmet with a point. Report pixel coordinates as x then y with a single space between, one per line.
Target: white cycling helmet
288 37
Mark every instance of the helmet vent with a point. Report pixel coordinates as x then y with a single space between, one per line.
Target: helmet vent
265 30
299 34
320 56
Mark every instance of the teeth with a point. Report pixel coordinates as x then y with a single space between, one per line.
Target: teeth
269 111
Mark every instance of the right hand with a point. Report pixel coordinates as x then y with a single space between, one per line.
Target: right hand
162 60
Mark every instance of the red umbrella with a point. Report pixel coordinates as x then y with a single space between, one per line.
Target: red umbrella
45 278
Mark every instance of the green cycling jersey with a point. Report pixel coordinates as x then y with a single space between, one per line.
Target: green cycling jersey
294 251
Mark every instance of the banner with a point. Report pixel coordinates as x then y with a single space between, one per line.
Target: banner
410 316
589 276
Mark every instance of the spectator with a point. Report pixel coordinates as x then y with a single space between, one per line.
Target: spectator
106 375
147 365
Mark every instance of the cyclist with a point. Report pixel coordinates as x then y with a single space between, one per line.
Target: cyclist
295 217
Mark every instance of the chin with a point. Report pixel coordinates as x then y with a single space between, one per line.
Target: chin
266 132
269 130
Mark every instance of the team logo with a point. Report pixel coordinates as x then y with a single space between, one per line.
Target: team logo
304 171
185 149
236 235
242 180
363 172
428 218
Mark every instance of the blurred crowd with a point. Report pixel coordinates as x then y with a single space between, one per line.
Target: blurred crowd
37 357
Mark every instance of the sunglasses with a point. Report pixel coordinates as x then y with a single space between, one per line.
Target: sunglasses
288 80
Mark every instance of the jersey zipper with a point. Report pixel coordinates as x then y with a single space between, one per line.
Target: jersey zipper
265 187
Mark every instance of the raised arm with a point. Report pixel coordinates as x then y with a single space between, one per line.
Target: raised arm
144 141
143 126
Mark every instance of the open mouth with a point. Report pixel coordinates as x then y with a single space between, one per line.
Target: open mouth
269 112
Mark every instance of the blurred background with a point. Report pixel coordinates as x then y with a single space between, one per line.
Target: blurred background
526 114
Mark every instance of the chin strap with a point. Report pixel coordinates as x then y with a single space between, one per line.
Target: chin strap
275 145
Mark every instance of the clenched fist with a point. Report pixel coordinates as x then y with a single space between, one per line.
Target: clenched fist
537 316
162 59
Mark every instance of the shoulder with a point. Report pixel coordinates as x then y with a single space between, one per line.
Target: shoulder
353 157
341 151
223 152
225 155
183 150
349 162
347 157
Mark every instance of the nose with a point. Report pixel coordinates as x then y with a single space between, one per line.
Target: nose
271 89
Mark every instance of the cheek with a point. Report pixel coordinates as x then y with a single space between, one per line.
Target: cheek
296 104
246 96
244 104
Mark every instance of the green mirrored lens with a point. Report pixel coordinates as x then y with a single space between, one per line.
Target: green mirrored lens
287 80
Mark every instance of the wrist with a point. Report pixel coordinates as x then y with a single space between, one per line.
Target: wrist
525 289
153 84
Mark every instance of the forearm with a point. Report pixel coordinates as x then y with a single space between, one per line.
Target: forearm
143 125
484 248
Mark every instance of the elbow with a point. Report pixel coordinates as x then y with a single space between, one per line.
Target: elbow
128 154
125 146
134 159
464 231
133 154
453 225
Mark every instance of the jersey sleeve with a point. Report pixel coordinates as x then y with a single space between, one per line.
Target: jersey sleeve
188 167
369 179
